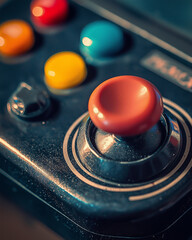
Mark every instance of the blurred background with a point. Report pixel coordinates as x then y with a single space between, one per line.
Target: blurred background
175 14
15 224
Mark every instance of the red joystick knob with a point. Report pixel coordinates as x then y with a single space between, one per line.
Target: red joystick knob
125 106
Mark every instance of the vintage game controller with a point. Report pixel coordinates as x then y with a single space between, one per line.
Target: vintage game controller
120 170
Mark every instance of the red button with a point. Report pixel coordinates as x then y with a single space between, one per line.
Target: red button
125 106
16 38
48 12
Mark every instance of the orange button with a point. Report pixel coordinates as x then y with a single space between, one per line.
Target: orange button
16 37
125 106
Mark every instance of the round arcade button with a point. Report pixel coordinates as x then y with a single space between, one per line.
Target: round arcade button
48 12
64 70
16 38
125 106
101 39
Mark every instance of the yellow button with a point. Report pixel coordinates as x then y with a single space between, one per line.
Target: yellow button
65 70
16 37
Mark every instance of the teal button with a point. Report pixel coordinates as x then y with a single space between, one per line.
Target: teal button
101 39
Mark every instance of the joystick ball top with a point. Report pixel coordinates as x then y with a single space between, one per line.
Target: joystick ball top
125 106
